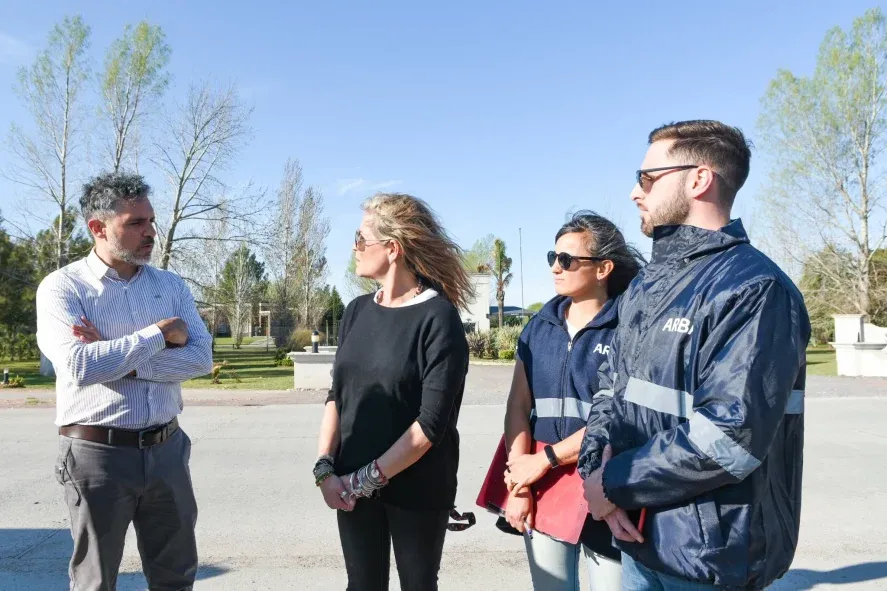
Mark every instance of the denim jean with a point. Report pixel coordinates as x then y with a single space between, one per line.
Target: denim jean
637 577
554 566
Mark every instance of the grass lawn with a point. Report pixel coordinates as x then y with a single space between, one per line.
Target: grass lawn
821 361
254 367
30 370
228 342
256 370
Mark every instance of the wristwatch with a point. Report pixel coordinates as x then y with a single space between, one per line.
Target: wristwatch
552 458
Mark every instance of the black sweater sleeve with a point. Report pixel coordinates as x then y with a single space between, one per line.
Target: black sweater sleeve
347 319
446 354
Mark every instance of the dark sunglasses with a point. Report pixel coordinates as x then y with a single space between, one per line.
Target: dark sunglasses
566 260
360 243
645 181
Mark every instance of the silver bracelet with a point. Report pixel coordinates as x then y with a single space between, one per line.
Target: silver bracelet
366 481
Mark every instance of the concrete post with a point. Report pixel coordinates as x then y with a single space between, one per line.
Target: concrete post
849 328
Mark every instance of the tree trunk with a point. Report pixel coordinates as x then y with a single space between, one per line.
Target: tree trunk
864 290
60 240
501 302
167 246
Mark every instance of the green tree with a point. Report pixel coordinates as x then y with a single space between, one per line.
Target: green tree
826 294
132 84
76 244
826 133
52 91
478 258
335 308
501 269
18 311
241 287
535 307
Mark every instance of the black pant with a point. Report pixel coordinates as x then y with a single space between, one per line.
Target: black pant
368 532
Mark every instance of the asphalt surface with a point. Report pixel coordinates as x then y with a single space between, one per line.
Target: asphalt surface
263 524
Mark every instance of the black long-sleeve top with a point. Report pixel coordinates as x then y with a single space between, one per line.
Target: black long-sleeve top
393 367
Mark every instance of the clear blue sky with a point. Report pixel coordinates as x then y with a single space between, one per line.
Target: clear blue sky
501 115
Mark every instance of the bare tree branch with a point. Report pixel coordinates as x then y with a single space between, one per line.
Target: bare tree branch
200 141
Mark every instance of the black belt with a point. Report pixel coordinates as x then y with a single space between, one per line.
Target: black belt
111 436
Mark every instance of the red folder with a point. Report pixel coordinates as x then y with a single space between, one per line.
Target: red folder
561 509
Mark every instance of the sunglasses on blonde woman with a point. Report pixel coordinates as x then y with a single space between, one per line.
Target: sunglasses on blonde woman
361 243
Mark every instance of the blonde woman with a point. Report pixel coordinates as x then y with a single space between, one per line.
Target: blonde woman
388 445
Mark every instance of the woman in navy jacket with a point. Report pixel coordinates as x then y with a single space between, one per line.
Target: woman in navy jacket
555 379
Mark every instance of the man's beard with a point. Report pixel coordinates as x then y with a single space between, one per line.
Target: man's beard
132 257
673 212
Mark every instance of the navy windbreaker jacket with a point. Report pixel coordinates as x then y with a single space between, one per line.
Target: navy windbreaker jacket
706 419
563 374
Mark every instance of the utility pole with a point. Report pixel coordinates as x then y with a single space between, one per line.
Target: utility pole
520 246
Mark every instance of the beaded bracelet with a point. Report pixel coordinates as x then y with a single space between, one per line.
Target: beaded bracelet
323 477
323 468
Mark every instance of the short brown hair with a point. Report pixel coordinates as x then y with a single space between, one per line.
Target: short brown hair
720 146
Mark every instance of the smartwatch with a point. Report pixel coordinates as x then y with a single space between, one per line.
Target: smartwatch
552 458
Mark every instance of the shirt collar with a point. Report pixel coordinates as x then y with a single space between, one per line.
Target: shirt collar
101 270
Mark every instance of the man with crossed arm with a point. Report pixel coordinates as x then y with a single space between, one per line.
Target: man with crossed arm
122 336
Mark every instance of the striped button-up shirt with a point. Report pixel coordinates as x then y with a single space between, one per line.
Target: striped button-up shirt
94 385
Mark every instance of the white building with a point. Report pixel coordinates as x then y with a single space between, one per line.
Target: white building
479 307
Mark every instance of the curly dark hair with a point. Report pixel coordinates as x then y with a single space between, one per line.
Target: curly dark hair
102 194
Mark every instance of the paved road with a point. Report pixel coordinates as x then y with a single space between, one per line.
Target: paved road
263 525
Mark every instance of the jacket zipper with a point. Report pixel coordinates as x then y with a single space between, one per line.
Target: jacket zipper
564 382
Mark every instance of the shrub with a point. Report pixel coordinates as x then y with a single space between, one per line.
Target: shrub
506 338
14 382
22 347
301 338
280 357
506 354
491 351
477 343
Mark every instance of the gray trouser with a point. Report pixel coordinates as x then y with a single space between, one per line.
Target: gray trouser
108 487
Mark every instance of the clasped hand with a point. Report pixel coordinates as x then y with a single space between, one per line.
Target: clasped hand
602 509
525 470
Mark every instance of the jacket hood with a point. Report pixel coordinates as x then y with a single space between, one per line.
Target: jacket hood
671 242
555 309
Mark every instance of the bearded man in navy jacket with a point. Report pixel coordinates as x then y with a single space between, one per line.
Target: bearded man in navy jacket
705 428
